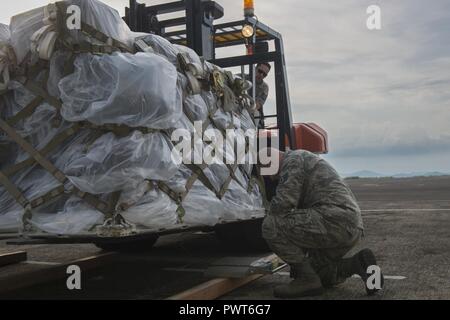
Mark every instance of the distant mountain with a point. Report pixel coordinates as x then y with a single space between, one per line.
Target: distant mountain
363 174
420 174
372 174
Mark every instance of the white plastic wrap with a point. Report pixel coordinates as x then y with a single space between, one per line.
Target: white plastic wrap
135 90
210 100
113 163
93 12
197 107
57 63
155 209
8 150
10 219
22 27
246 121
141 90
238 204
103 18
170 51
192 55
202 206
217 174
162 47
38 128
5 34
34 182
223 120
75 218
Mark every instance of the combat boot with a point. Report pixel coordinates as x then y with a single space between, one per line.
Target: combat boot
306 283
358 264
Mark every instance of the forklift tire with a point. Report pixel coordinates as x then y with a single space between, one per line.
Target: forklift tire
140 245
243 236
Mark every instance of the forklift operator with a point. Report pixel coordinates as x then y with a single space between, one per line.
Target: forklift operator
261 90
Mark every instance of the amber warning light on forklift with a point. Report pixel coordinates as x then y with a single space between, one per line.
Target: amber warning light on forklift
249 8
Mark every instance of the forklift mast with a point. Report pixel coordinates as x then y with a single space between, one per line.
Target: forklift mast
199 32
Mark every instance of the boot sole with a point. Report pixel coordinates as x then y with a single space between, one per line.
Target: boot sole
366 259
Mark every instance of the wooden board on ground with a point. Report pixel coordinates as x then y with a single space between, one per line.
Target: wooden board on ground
12 258
231 273
45 273
214 289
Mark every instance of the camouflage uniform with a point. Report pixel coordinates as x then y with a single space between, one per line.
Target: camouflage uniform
261 94
313 213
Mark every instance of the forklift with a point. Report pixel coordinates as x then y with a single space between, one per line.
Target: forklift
198 31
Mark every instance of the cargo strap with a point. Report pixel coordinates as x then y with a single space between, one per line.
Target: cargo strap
240 87
96 49
219 193
224 188
114 200
69 66
117 129
193 73
26 204
233 169
198 170
93 201
7 61
172 194
47 165
217 81
49 196
221 84
13 190
177 198
37 90
43 41
251 184
100 36
142 46
26 112
44 151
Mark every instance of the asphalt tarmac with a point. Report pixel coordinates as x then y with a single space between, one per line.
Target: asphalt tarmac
407 225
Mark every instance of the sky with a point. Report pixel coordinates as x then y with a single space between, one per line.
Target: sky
382 95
